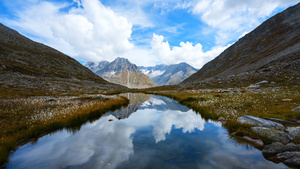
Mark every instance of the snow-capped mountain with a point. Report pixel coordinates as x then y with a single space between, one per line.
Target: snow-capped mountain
94 66
169 75
121 71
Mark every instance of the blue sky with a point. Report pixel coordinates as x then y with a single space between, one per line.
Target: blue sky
146 32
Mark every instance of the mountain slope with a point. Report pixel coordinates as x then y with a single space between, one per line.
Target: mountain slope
270 52
174 74
26 65
121 71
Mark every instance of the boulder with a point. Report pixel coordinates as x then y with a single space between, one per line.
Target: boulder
276 148
271 134
290 158
246 119
294 132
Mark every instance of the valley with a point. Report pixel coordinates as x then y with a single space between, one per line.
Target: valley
248 96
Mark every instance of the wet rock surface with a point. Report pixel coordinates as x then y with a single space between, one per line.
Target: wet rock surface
281 149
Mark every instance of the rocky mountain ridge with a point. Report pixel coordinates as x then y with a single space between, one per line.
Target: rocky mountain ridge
270 52
123 72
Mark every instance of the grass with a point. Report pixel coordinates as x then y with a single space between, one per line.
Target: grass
212 104
26 118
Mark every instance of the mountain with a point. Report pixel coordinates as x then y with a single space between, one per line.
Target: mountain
121 71
153 71
174 74
27 67
270 52
94 67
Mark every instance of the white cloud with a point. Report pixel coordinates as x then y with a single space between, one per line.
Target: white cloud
186 52
231 18
91 32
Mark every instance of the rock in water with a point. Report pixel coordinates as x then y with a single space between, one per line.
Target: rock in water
276 148
290 158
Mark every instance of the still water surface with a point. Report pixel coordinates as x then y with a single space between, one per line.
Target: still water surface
152 132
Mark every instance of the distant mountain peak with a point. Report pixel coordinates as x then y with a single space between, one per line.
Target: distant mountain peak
168 74
122 71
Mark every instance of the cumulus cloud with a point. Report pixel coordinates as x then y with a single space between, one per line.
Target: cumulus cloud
231 18
89 31
185 52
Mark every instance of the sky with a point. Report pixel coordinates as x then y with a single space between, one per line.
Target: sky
147 32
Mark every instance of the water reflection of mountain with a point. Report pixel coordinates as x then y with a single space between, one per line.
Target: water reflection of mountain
144 101
163 103
136 100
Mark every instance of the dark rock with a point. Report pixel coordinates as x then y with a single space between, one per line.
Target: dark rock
275 148
273 135
51 100
290 158
260 122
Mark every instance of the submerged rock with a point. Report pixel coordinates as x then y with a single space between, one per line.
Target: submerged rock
260 122
275 148
290 158
256 142
271 134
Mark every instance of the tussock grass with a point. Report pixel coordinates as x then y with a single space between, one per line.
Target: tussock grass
27 118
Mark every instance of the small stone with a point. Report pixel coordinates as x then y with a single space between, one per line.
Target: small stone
110 120
286 100
51 100
262 83
252 86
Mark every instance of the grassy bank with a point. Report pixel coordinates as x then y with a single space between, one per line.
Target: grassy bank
228 106
25 118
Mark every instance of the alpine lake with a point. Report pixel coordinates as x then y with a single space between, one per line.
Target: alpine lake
152 132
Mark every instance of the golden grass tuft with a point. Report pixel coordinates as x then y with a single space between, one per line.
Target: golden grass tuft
23 119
